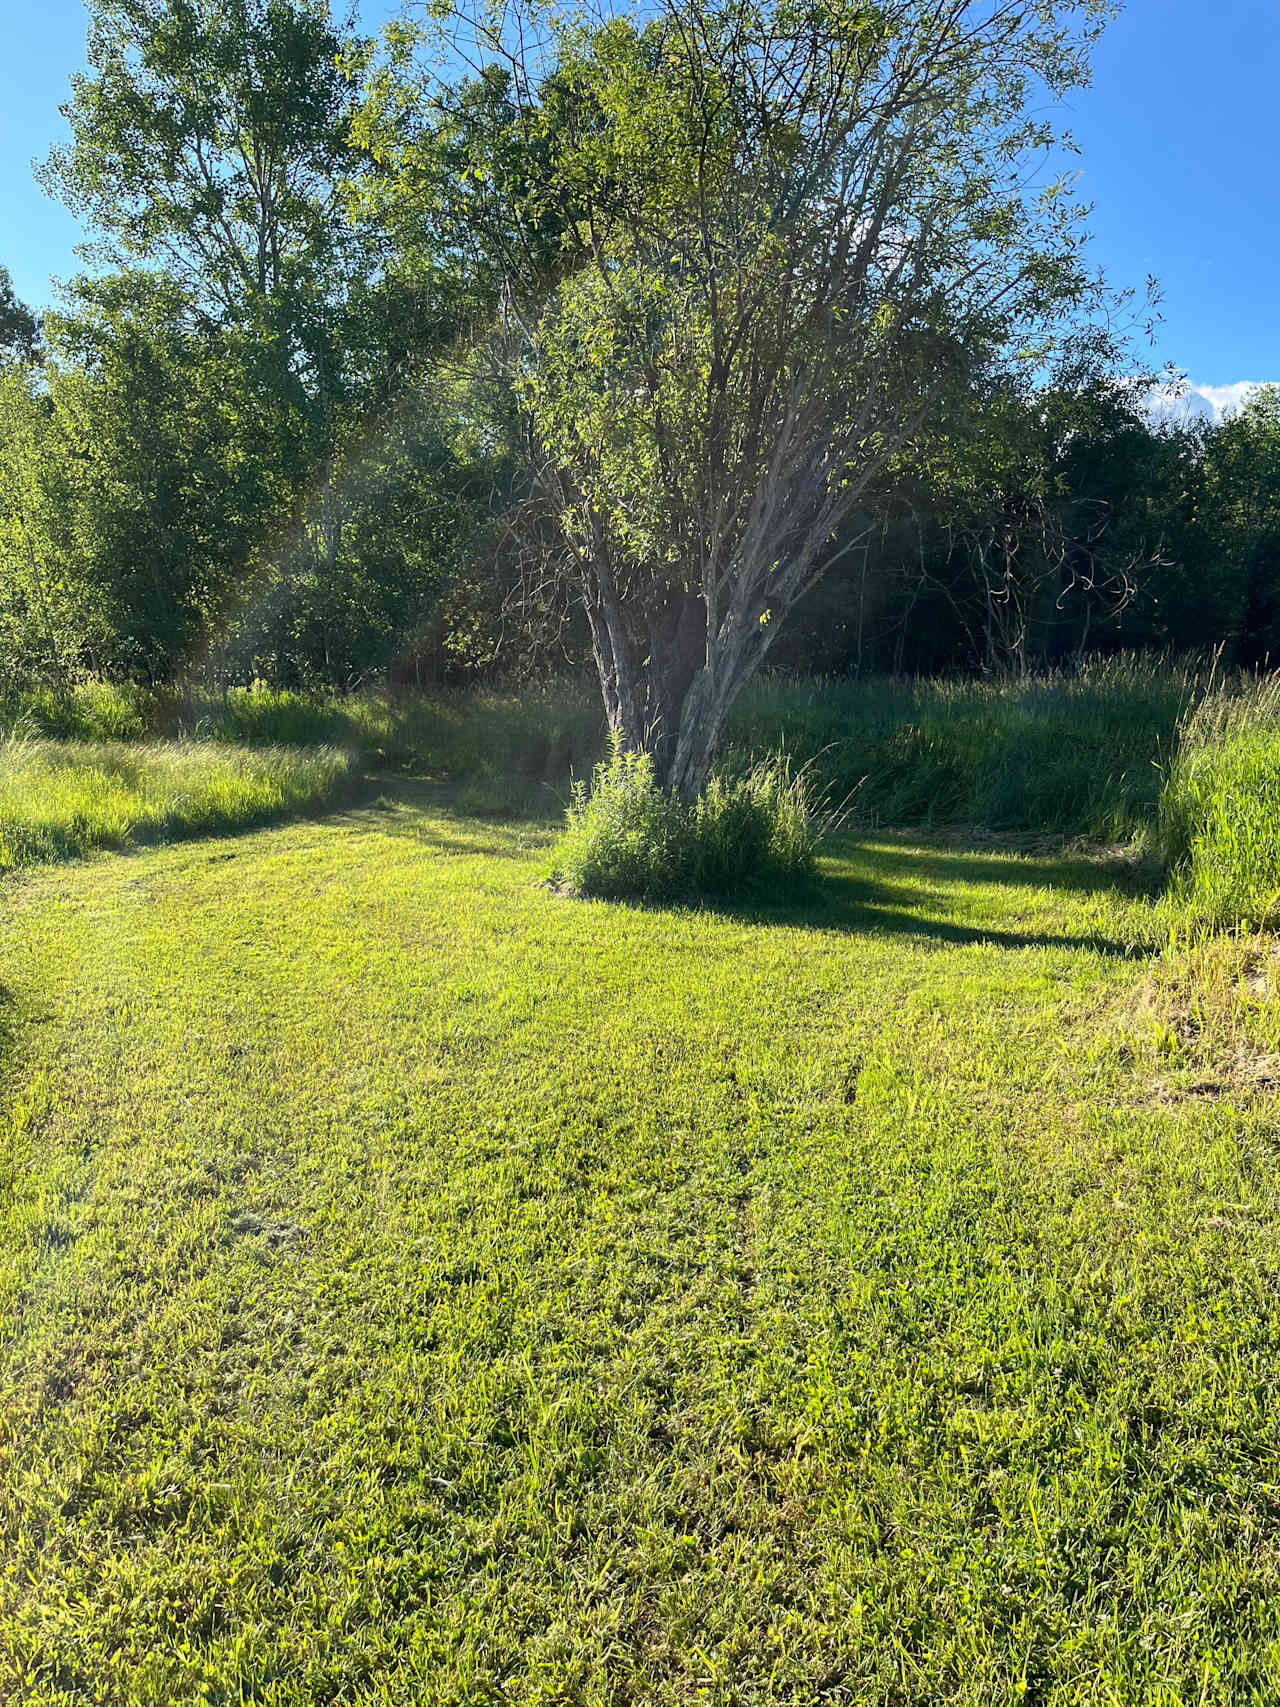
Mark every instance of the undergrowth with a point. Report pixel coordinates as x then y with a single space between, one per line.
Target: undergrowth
543 733
1176 756
1077 752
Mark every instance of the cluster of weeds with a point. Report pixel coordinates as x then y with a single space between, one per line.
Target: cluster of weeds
626 836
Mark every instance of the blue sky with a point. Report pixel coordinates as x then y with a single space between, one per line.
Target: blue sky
1179 144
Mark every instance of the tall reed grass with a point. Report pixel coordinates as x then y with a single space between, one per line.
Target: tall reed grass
1079 752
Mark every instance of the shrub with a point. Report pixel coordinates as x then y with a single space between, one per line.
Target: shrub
628 838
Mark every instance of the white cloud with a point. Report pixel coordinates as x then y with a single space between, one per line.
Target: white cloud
1175 405
1226 399
1178 404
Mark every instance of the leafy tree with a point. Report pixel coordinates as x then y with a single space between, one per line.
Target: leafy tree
740 251
1241 514
210 136
46 614
170 466
19 328
210 141
1035 536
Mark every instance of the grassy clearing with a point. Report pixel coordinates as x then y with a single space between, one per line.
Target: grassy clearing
418 1288
60 799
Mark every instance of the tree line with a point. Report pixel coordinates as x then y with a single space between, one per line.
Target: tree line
676 341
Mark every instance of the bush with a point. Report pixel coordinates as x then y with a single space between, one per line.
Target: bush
628 838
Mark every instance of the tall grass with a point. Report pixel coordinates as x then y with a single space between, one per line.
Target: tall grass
60 799
87 711
625 837
540 732
1219 818
1079 752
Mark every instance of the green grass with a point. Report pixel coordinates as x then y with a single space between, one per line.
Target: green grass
1164 756
60 799
1220 829
1078 752
1219 823
87 711
540 735
419 1288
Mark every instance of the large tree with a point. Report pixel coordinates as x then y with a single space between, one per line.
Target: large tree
209 138
168 467
739 250
209 145
47 613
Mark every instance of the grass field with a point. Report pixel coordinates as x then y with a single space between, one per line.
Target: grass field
419 1288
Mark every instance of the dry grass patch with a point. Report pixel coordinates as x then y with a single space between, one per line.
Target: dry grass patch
1207 1019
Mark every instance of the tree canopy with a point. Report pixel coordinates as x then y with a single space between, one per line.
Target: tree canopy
670 343
19 328
741 254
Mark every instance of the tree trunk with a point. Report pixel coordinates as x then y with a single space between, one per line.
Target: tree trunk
665 703
701 717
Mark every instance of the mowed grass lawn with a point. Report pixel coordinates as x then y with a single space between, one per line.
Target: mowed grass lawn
421 1288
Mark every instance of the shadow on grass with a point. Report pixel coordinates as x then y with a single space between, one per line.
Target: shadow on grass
859 909
1116 871
861 902
395 806
877 885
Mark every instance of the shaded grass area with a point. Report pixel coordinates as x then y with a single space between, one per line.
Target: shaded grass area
1077 752
61 799
420 1288
539 735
